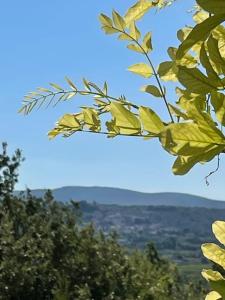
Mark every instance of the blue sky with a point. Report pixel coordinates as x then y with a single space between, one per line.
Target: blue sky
43 41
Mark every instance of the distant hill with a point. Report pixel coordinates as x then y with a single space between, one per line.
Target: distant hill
107 195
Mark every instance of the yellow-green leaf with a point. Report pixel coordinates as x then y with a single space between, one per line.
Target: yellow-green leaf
151 89
183 164
216 281
218 229
105 20
135 48
213 296
150 120
71 84
214 253
168 71
124 37
137 11
147 42
187 139
110 30
177 112
218 103
56 86
187 60
91 119
69 121
134 32
118 21
141 69
125 120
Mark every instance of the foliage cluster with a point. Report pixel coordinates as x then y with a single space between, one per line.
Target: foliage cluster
46 254
192 133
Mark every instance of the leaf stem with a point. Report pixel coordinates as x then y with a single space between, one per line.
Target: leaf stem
33 101
154 72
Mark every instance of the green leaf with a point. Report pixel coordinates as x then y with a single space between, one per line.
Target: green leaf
137 11
177 112
215 56
105 88
204 59
41 89
194 80
105 20
168 71
69 95
118 21
53 133
147 42
125 120
183 164
187 60
141 69
199 33
109 30
150 120
86 85
212 6
91 119
218 103
124 37
112 128
151 89
134 32
71 84
68 121
56 86
135 48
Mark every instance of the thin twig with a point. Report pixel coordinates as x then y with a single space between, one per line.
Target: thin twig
213 172
154 72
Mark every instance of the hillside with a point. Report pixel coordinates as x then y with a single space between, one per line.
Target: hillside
178 232
107 195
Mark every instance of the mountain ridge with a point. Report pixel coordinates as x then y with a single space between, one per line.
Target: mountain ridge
120 196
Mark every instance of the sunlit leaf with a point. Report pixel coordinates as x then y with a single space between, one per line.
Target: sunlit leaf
218 103
134 32
147 42
125 120
141 69
168 71
105 20
213 296
150 120
218 228
56 86
137 11
151 89
71 84
118 21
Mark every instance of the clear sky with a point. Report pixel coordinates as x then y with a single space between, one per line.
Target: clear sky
43 41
